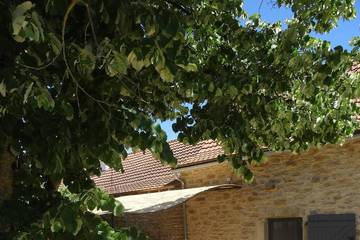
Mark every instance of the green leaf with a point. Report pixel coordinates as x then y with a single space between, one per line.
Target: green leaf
86 60
17 25
19 22
107 202
135 62
22 8
44 99
151 30
119 209
56 225
3 89
158 59
68 111
232 90
166 75
36 19
27 92
211 87
70 220
218 92
248 175
124 91
36 35
191 67
118 65
55 43
91 203
78 226
112 158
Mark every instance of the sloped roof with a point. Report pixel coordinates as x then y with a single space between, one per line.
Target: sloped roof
187 155
158 201
143 172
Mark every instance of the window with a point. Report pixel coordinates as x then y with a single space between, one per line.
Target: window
285 229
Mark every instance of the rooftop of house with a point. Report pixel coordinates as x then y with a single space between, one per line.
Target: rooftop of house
143 172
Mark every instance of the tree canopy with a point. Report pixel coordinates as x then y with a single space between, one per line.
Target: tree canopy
85 81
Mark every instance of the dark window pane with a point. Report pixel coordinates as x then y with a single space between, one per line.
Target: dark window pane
285 229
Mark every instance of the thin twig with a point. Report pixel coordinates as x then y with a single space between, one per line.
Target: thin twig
77 99
91 24
85 33
63 83
261 3
41 67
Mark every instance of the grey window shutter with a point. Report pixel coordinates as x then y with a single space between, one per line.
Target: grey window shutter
332 227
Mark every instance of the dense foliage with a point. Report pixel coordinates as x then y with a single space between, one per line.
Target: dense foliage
84 81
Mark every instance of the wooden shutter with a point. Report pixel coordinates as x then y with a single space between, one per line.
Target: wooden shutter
332 227
285 229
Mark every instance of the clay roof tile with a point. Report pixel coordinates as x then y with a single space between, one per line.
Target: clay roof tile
143 172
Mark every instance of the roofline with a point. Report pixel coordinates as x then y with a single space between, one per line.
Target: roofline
165 187
191 166
196 163
213 162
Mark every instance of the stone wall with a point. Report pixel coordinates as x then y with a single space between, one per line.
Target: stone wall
163 225
318 181
208 176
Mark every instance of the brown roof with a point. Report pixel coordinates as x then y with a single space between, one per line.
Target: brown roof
188 155
143 172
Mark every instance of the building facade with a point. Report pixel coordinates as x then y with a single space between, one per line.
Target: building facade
314 195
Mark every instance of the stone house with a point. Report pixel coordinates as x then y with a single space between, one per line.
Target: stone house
314 195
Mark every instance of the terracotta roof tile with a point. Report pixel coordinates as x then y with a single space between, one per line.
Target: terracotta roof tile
194 154
355 68
143 172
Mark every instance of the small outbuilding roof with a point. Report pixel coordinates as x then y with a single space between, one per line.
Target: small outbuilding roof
154 202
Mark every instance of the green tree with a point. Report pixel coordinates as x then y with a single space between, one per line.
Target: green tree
84 81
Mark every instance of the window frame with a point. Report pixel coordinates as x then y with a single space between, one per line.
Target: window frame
271 221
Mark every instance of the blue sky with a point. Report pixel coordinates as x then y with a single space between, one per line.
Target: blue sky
338 36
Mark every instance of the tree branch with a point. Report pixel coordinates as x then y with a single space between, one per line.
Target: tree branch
66 16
